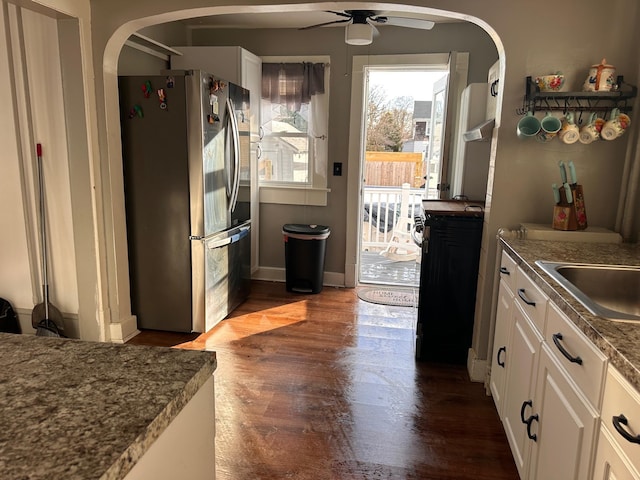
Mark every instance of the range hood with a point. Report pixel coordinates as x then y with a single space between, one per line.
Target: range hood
480 133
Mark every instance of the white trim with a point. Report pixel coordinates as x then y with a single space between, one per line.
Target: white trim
477 368
273 274
124 330
147 50
293 195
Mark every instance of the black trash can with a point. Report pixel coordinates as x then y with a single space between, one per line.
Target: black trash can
304 252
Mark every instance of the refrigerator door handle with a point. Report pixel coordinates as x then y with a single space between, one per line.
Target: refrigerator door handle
235 152
242 232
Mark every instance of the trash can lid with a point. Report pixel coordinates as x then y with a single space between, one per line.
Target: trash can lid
305 229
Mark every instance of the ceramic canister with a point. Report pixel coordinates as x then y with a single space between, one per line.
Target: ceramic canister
601 78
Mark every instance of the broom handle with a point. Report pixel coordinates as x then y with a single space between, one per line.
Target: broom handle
45 284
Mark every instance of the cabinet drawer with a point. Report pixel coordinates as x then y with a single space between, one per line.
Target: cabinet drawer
584 363
532 300
507 271
620 398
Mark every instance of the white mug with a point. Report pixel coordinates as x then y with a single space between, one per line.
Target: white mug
569 133
591 131
616 125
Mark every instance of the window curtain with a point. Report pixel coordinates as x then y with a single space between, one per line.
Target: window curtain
292 84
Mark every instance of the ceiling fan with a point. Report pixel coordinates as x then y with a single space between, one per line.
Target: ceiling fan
361 24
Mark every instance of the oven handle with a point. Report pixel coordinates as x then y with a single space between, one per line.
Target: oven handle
416 230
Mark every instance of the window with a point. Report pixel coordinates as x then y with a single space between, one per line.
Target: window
294 121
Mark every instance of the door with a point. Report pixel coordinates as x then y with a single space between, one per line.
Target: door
396 127
437 181
432 62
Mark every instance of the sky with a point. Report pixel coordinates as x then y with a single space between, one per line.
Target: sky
418 85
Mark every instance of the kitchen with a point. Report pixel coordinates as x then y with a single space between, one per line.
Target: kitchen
517 172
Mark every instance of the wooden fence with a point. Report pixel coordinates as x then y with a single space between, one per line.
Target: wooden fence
389 169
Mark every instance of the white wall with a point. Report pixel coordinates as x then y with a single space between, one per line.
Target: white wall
521 174
47 98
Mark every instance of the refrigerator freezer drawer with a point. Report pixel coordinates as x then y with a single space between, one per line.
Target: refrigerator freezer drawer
227 275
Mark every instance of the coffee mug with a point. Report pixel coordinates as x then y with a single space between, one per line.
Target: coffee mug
591 131
528 126
549 128
616 125
569 133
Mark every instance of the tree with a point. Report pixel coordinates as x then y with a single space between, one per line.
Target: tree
389 121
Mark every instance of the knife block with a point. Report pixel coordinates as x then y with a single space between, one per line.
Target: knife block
570 216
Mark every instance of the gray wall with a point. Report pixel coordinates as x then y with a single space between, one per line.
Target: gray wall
330 41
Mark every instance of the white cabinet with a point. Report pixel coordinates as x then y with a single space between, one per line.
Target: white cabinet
523 349
493 80
500 357
611 463
547 381
564 425
618 454
239 66
504 320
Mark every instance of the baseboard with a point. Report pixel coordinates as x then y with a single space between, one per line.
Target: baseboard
476 367
71 323
124 330
271 274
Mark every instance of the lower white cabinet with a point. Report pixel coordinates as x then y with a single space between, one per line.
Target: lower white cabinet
611 463
504 320
618 454
523 349
547 380
563 425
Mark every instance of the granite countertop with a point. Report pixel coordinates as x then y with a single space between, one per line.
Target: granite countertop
73 409
619 341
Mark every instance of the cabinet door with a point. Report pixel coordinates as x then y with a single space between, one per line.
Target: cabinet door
504 320
520 384
251 72
611 463
565 427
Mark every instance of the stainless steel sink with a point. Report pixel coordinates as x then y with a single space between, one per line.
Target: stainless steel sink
608 291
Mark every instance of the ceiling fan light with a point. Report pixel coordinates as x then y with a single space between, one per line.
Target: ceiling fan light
358 34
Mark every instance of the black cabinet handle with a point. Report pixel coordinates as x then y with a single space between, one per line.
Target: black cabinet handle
494 88
500 350
525 404
504 271
556 339
524 297
529 421
620 420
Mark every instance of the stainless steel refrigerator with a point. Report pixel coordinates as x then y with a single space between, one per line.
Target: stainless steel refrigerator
187 173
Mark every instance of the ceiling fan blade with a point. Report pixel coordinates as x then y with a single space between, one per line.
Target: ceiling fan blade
325 24
405 22
342 14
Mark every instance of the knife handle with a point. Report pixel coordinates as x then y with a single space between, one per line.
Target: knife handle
556 193
563 171
567 192
572 173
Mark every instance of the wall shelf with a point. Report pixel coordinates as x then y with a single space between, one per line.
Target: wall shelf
535 100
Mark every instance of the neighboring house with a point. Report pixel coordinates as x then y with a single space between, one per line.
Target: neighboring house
421 128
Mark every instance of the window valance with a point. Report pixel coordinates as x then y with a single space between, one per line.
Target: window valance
292 84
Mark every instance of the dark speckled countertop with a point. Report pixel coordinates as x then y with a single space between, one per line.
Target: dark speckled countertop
619 341
72 409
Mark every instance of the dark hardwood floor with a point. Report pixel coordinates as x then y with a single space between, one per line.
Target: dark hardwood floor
326 387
